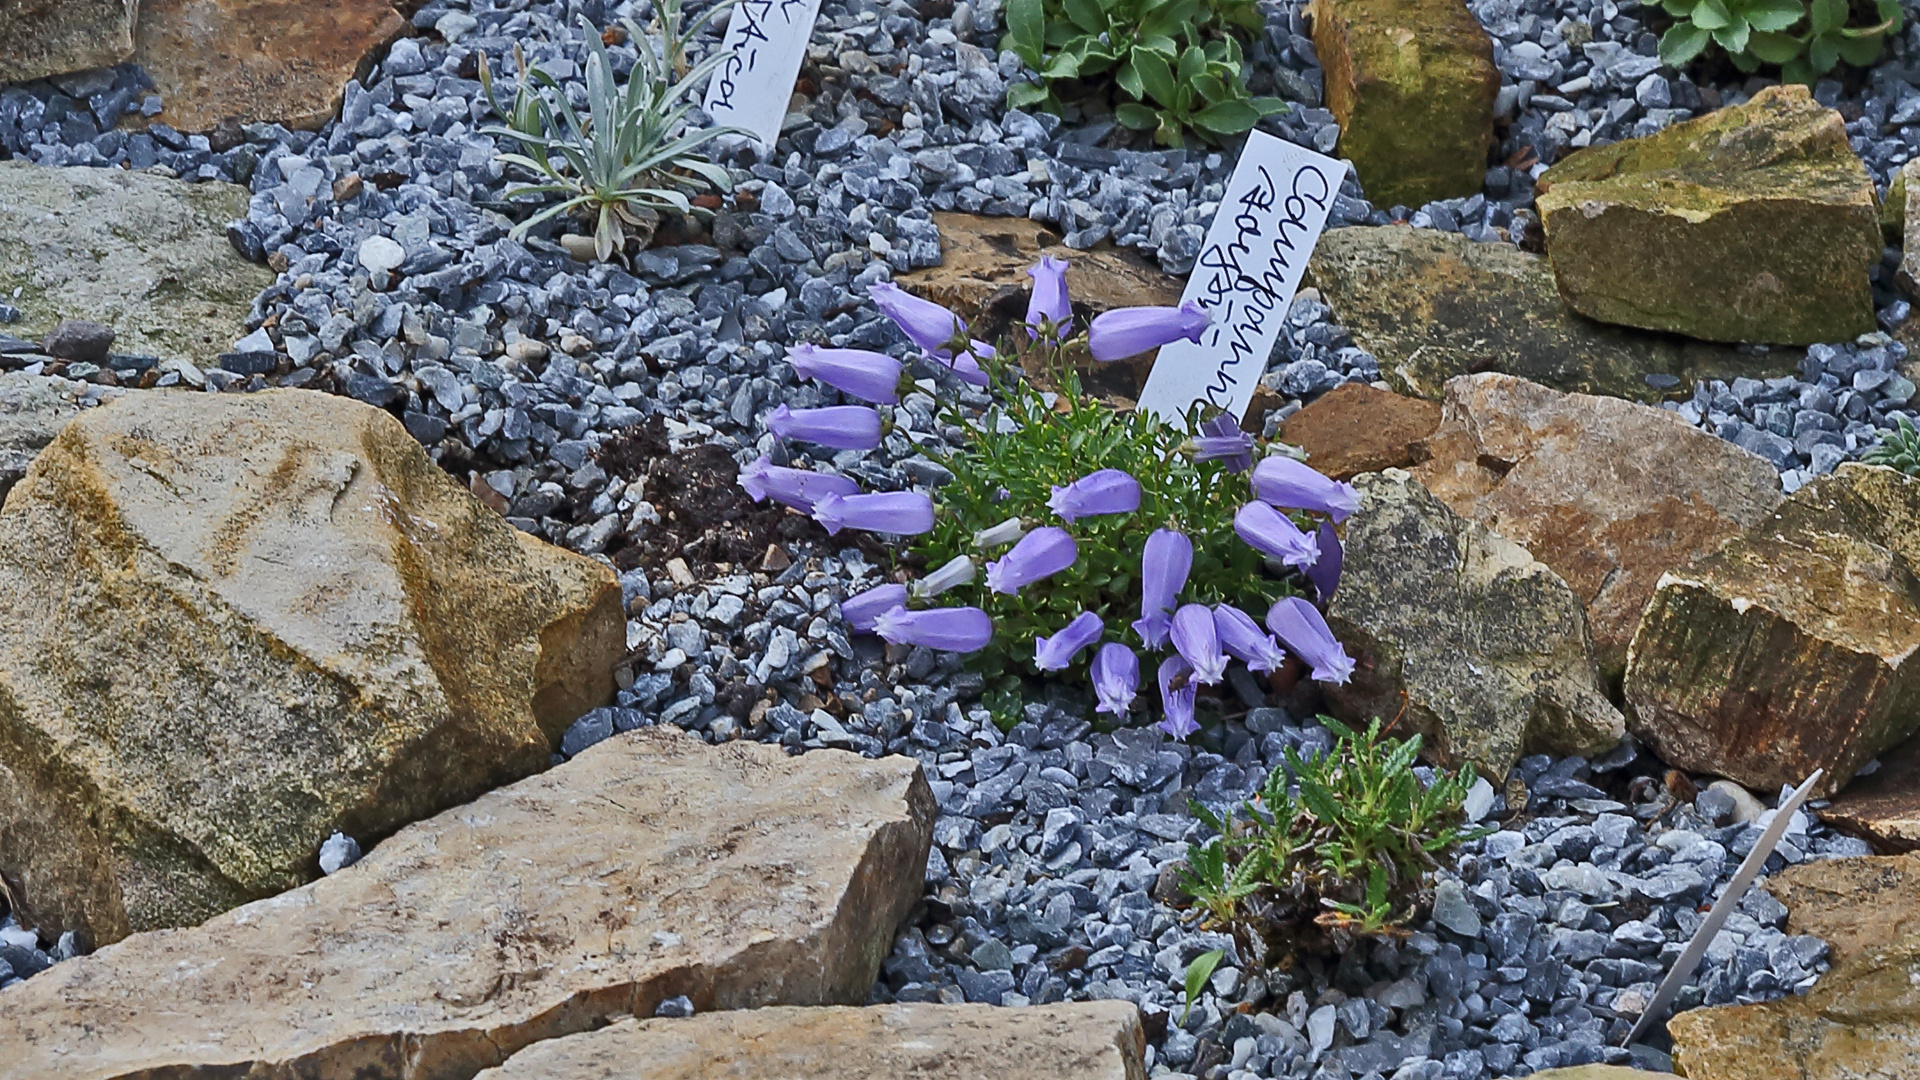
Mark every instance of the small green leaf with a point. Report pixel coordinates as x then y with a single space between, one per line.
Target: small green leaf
1155 75
1128 79
1681 43
1825 15
1023 94
1860 51
1026 25
1192 62
1733 36
1823 54
1227 117
1198 973
1086 15
1211 88
1774 48
1713 14
1774 15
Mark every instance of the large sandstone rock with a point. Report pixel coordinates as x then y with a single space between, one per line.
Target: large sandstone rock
652 865
1884 806
1753 223
270 61
1608 493
1851 904
143 254
1092 1040
1412 83
1355 428
1791 646
1431 305
230 625
1485 648
53 37
33 408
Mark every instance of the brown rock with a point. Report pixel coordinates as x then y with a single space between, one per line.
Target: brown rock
1851 904
1594 1072
1789 648
39 38
1883 807
1354 429
1092 1040
270 61
33 409
1608 493
650 866
230 625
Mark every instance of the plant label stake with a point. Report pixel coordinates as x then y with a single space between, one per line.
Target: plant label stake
1274 211
1696 948
751 88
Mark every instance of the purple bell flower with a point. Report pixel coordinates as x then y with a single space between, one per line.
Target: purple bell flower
1295 485
1198 643
1056 652
1106 491
1325 571
1299 624
1041 553
843 427
1221 439
1123 332
925 323
949 629
1177 694
1269 532
1165 562
1243 639
1116 678
1049 303
906 513
861 609
869 376
797 488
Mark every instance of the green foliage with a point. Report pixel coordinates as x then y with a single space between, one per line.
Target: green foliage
1176 64
629 157
1198 973
1805 38
1334 847
1899 450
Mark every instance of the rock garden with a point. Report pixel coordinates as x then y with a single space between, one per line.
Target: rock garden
1207 539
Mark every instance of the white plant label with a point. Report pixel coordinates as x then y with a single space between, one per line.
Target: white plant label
751 89
1274 211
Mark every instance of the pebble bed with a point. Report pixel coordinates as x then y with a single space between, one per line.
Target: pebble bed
397 284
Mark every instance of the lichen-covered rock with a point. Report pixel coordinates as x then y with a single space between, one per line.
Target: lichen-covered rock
1087 1040
1412 83
146 255
1851 904
1355 428
230 625
650 866
1484 647
39 38
1790 647
1752 223
1609 493
1431 305
33 409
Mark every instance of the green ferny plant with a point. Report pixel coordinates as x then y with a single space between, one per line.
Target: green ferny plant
629 156
1755 32
1899 450
1177 64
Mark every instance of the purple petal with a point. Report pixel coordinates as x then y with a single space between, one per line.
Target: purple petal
797 488
1195 638
1221 439
862 608
1123 332
869 376
843 427
1269 532
1300 626
925 323
1039 554
1116 678
1177 693
955 629
1295 485
1056 652
1165 562
1107 491
1243 639
1049 303
905 513
1325 571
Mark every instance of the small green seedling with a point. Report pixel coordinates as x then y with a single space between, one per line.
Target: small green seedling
1198 973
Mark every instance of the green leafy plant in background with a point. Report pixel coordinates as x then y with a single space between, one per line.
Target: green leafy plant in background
1177 64
1899 450
629 157
1805 38
1336 846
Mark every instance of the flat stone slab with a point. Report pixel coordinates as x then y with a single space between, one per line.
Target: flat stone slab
1355 428
1851 904
146 255
39 38
1093 1040
33 409
1883 807
650 866
1431 305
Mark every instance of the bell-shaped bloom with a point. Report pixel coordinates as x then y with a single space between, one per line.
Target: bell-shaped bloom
1221 439
925 323
967 365
1195 639
906 513
1039 554
1056 652
1049 305
1123 332
1165 562
957 571
1116 678
1177 694
861 609
1295 485
1325 571
998 535
1106 491
1272 534
869 376
843 427
1243 639
950 629
797 488
1299 625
